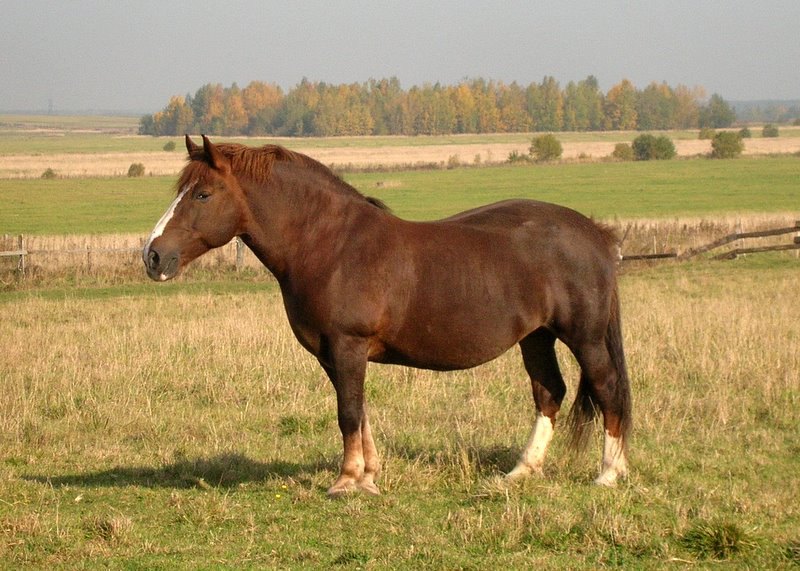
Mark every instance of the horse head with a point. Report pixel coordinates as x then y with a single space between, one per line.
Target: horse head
206 213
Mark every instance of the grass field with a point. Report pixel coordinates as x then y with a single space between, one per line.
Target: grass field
181 427
659 189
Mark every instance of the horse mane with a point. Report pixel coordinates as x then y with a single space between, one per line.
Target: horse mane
255 163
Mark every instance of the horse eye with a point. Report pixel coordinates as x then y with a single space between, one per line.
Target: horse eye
202 196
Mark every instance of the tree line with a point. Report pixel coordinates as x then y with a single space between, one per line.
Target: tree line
383 107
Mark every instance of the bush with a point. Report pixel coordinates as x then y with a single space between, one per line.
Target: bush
49 174
744 133
169 146
623 152
545 148
517 157
648 147
136 169
769 130
726 145
706 133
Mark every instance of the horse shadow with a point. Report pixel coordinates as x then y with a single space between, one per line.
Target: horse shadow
221 471
230 470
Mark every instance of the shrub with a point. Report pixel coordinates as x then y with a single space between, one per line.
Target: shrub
517 157
169 146
769 130
649 147
706 133
726 145
623 152
545 148
744 133
136 169
49 174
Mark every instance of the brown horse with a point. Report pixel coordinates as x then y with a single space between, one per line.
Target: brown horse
360 284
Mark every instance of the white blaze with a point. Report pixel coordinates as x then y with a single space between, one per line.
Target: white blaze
162 223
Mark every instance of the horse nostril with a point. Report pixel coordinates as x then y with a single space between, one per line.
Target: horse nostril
152 259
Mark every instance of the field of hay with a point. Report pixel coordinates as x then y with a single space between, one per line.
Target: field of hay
158 163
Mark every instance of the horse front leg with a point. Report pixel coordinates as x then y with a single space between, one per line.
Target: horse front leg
346 365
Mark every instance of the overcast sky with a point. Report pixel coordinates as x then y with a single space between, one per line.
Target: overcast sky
133 55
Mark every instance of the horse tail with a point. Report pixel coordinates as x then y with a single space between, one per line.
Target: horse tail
585 408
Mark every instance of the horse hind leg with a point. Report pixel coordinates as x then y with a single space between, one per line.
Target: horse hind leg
541 364
604 384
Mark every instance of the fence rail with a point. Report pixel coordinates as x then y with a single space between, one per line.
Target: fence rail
725 240
21 252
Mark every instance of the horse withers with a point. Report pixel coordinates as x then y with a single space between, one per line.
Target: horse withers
360 284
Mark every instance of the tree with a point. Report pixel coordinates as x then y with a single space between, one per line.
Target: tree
726 145
717 113
551 116
687 108
649 147
655 107
620 107
545 148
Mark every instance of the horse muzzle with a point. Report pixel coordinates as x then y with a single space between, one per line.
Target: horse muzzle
160 267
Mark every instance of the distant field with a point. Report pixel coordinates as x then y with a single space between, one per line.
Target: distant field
697 188
106 146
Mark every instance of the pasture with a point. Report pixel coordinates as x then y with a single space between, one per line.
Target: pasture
657 189
181 426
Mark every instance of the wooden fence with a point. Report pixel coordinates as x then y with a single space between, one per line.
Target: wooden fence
725 240
22 252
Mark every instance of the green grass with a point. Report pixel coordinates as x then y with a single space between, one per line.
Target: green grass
141 430
605 190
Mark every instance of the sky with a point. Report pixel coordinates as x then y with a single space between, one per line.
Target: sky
132 56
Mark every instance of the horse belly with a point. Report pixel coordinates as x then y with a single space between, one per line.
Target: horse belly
459 339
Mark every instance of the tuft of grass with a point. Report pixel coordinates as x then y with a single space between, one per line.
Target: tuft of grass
114 529
717 540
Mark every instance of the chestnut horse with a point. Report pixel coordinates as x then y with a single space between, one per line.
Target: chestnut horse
360 284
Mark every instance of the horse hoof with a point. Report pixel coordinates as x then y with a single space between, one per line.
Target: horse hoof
522 471
369 488
608 478
340 489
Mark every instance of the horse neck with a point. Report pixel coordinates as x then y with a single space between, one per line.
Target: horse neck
297 214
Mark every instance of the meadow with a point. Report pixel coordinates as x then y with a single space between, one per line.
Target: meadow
657 189
181 426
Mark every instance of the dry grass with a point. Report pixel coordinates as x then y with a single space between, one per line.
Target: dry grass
170 163
192 427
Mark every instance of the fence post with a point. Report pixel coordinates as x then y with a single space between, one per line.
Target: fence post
21 263
239 254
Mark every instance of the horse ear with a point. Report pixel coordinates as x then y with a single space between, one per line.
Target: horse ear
192 148
214 157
